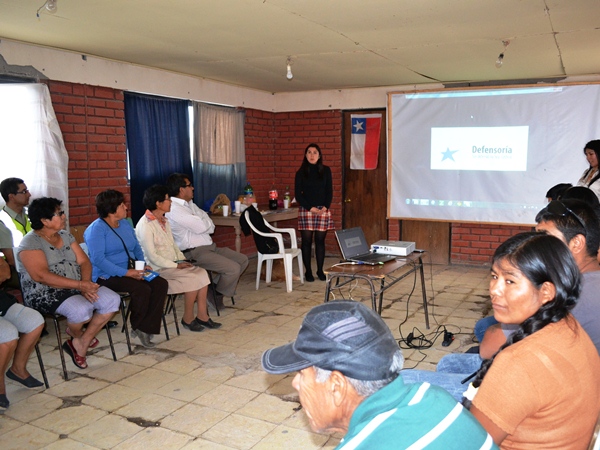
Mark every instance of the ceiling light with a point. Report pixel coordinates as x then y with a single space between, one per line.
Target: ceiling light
500 59
289 74
50 5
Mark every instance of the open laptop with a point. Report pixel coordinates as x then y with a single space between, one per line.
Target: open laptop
354 247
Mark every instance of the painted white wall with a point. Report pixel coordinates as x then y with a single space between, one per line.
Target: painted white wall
60 65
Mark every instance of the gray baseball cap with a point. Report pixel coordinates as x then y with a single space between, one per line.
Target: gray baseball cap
339 335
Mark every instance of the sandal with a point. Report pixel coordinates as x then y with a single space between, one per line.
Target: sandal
79 361
93 344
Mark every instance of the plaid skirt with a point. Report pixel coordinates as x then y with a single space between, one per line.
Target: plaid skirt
314 222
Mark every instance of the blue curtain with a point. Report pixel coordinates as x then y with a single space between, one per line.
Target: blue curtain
158 142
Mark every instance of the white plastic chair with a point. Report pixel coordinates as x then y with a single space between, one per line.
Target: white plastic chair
287 254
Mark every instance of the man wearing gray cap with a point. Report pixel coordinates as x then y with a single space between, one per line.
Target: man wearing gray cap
348 364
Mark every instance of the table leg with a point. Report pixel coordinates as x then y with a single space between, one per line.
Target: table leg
328 287
381 295
424 292
238 238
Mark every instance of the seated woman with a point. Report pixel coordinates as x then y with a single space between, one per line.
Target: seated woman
113 247
543 385
56 278
154 233
20 329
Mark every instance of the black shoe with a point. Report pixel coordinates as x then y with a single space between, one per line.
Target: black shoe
208 324
308 276
29 382
4 403
321 275
193 325
112 324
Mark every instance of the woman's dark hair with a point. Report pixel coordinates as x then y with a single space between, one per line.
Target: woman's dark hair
556 192
306 165
155 193
540 258
582 193
176 181
42 208
108 201
595 146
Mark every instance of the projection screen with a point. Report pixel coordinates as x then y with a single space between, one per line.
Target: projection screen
488 155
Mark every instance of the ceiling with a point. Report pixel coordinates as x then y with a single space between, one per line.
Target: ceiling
334 44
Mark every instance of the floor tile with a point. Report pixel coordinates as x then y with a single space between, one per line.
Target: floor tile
239 431
150 407
27 437
107 432
193 419
67 420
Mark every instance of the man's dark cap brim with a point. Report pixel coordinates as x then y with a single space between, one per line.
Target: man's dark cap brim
283 359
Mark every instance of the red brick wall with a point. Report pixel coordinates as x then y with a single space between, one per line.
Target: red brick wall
293 132
475 243
93 126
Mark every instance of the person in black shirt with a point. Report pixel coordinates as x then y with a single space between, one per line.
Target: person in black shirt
314 193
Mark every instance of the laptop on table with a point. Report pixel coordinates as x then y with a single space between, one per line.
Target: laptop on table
354 247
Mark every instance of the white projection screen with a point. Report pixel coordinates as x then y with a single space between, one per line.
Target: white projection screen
486 155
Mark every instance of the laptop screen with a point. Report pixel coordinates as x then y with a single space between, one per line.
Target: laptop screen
352 242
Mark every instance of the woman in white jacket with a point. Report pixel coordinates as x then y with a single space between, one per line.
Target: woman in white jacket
162 254
591 175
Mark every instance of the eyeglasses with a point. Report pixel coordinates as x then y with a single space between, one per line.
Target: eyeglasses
59 213
557 207
189 185
24 191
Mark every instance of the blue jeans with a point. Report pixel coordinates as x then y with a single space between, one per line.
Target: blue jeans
450 371
482 325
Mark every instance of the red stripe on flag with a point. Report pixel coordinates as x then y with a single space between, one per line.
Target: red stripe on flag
372 142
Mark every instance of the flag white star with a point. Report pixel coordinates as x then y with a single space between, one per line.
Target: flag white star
358 125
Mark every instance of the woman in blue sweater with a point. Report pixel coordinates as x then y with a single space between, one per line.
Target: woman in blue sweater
314 193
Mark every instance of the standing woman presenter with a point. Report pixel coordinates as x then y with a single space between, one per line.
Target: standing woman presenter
314 193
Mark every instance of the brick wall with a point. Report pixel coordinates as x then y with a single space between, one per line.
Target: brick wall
93 126
472 243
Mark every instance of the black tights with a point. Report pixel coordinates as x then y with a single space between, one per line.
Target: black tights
307 236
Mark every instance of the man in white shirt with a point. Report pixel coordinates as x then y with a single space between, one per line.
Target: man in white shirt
192 228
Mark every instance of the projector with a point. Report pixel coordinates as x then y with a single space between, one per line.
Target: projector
397 248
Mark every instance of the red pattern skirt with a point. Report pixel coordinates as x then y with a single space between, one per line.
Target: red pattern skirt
314 222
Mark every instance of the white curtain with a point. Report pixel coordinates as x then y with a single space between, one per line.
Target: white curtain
219 151
31 143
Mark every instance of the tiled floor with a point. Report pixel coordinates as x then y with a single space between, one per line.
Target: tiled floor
207 390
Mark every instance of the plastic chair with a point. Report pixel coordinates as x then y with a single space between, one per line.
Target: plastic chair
287 254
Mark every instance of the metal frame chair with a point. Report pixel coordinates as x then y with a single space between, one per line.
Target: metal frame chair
56 318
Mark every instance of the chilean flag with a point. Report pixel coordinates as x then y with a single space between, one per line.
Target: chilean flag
365 141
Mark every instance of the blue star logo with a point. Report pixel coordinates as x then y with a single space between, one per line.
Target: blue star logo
448 154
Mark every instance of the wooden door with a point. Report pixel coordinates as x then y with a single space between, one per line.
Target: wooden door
364 199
